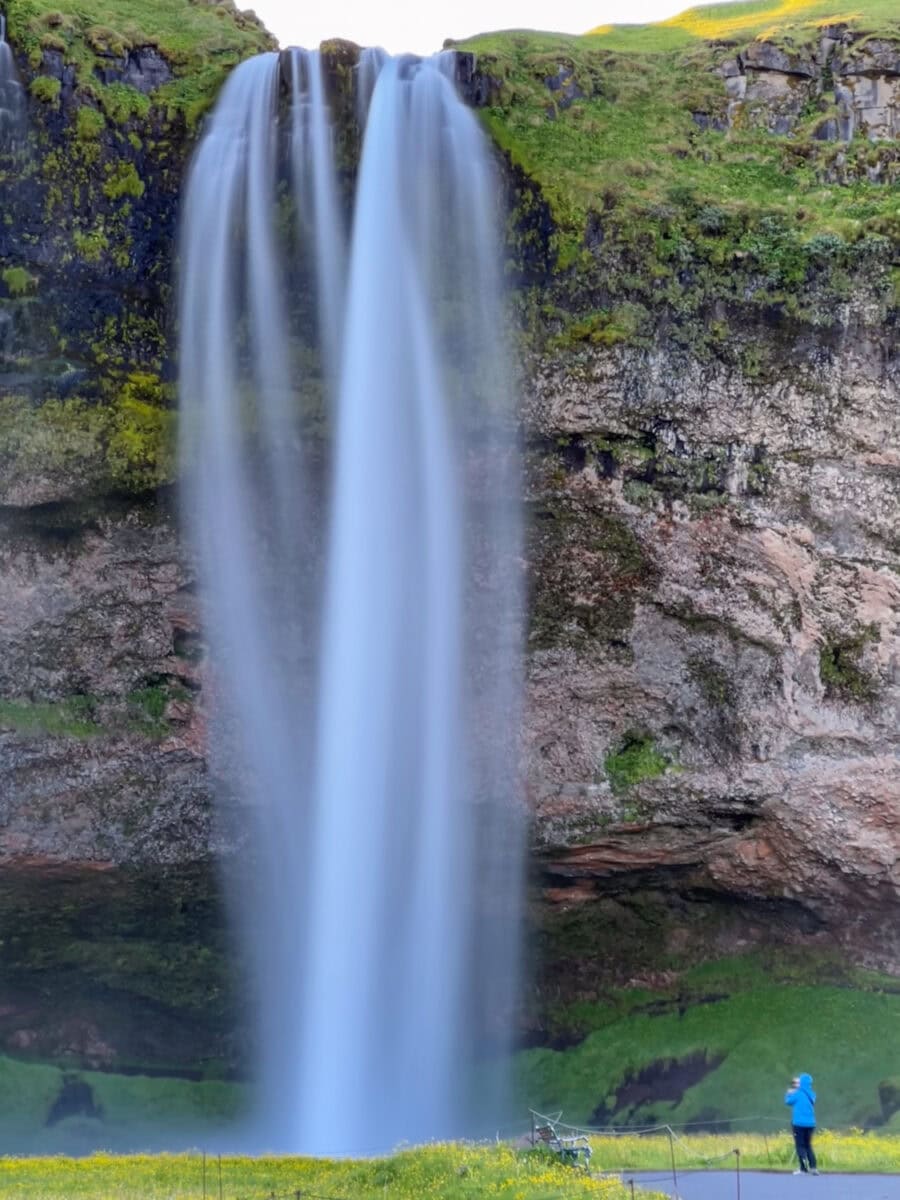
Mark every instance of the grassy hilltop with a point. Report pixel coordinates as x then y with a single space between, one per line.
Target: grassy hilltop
650 172
201 40
796 20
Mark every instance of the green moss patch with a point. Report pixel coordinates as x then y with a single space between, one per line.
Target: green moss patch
123 180
18 281
89 124
840 668
635 760
73 717
124 444
46 89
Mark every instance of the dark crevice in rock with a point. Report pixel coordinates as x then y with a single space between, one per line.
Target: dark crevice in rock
777 912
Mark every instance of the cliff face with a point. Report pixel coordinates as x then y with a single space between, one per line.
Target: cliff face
714 709
711 408
101 763
704 251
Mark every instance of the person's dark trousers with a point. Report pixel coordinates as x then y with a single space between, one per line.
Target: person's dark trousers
803 1136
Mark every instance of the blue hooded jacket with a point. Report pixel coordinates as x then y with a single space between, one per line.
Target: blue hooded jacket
803 1101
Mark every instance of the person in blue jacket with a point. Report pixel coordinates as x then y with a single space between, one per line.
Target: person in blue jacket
802 1100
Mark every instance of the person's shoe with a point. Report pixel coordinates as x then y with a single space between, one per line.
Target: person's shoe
800 1172
814 1171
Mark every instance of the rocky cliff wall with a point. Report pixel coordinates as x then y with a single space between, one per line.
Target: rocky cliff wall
710 388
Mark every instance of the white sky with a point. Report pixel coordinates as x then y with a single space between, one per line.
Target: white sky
420 26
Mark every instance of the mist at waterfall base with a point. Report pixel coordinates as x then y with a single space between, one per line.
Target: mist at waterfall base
352 490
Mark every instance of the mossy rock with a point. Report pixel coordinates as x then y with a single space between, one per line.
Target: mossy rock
654 208
199 42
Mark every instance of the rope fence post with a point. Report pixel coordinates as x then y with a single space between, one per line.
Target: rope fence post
632 1189
204 1175
768 1155
220 1177
672 1154
533 1129
737 1170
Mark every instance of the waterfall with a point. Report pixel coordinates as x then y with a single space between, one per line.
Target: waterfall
352 489
12 97
371 60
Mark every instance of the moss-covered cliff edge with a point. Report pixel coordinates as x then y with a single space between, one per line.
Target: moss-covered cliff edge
703 240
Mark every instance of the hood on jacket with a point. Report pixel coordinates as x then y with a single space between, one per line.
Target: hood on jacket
806 1086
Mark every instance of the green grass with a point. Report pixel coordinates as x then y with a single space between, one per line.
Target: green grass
629 150
777 20
201 42
441 1172
837 1152
796 21
163 1108
766 1021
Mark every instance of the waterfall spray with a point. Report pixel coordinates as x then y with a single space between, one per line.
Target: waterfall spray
364 620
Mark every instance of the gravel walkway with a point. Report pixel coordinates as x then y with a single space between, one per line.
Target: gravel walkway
760 1185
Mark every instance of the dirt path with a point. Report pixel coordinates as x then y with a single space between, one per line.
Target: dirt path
759 1185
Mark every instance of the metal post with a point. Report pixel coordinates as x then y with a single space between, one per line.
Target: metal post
632 1189
533 1131
768 1155
737 1158
204 1175
220 1177
672 1153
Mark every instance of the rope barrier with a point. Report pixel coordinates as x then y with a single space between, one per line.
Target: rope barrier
633 1130
694 1161
294 1194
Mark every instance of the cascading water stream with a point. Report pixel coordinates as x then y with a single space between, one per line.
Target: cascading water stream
366 688
371 60
12 97
315 185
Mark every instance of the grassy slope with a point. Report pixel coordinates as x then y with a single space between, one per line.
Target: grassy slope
136 1108
630 150
799 20
768 1021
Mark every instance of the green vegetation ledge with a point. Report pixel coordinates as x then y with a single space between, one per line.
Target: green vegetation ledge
728 160
193 44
